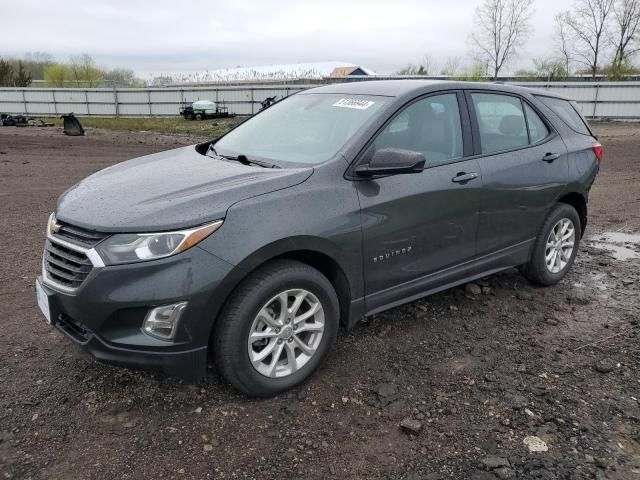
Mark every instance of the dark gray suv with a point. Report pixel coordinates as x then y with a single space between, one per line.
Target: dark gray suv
336 203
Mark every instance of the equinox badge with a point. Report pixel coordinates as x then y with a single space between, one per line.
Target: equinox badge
392 253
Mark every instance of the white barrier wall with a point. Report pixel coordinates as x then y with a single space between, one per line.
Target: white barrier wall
133 101
616 100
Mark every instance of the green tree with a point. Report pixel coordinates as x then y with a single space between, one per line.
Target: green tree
56 75
550 68
21 78
524 74
619 70
412 69
35 63
7 74
477 72
123 77
83 71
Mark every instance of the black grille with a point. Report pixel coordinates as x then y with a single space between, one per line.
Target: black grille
73 329
66 266
81 236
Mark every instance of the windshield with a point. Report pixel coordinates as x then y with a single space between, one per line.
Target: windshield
308 129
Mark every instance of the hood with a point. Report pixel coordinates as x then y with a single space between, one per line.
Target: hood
167 191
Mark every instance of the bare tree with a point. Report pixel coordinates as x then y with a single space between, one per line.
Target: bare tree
502 27
626 15
451 67
588 23
427 62
563 41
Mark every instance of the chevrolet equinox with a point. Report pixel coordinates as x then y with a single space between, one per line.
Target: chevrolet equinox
333 204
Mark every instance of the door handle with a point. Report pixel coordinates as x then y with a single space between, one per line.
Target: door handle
550 157
464 177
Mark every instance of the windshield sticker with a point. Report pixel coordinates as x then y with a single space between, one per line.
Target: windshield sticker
353 103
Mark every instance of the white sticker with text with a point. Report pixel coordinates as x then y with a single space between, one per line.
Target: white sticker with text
353 103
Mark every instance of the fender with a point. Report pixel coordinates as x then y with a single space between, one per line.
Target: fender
291 246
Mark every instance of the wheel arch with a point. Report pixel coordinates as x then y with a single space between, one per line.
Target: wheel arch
315 252
578 201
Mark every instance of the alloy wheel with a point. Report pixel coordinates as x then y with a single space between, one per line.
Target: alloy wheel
286 333
560 244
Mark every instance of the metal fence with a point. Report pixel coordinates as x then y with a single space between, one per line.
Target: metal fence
616 100
133 102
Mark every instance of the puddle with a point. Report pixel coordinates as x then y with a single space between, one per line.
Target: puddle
622 246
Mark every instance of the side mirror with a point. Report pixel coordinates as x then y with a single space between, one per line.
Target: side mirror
392 161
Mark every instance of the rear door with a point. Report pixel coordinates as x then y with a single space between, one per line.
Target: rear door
416 224
524 168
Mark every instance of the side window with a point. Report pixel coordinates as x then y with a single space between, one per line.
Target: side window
537 129
430 126
501 122
565 110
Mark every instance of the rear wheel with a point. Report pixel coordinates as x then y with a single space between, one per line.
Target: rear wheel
276 329
556 246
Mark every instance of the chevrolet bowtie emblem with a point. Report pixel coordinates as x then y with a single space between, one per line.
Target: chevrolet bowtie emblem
54 227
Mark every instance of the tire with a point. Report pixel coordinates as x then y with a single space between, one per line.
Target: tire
537 270
260 293
199 116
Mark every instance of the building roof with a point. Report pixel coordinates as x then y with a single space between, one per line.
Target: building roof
346 71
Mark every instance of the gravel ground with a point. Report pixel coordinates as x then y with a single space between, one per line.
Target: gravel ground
498 379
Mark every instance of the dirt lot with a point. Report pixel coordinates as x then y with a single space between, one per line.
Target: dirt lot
481 373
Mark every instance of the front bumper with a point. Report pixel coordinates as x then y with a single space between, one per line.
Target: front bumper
105 315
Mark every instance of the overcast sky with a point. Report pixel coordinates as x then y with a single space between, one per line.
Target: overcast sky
180 36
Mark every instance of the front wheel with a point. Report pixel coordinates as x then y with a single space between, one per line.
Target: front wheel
556 246
276 329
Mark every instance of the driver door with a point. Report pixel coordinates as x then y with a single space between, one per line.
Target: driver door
416 226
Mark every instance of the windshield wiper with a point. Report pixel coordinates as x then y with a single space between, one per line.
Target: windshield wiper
245 161
241 158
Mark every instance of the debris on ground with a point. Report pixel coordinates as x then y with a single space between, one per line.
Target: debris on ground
535 444
72 125
7 120
410 425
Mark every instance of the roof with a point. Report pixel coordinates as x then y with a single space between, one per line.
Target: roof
346 71
397 88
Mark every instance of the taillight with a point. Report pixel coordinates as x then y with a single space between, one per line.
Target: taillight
597 150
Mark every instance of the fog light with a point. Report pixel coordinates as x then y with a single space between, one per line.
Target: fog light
162 322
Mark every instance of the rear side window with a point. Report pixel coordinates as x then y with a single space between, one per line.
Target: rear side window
567 113
537 129
500 121
430 126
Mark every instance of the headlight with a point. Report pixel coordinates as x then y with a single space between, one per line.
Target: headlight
52 226
139 247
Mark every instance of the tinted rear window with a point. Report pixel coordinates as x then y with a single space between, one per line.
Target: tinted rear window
500 121
567 113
